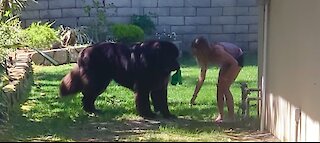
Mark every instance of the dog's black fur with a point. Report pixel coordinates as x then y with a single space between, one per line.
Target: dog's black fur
144 68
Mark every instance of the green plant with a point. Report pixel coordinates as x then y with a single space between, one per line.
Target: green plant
10 39
127 33
40 35
166 36
10 8
97 29
80 34
10 33
144 22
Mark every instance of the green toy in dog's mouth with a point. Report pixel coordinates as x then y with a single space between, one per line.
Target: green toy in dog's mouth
176 78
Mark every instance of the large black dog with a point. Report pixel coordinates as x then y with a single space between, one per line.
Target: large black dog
144 68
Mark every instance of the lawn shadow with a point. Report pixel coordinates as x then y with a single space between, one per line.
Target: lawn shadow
77 126
107 126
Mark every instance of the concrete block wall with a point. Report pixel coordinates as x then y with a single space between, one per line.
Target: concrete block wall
219 20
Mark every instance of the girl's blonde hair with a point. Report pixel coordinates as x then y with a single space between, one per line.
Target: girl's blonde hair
200 49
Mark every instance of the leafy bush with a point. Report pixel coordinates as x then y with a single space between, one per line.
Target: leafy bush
40 36
97 30
144 22
80 33
10 8
166 36
10 38
127 33
10 33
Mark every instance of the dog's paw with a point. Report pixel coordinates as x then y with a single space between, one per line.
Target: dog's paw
93 111
169 116
149 115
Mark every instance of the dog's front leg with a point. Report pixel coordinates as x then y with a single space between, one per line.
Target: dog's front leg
160 102
143 104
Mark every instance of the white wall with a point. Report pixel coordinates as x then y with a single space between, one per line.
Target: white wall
293 69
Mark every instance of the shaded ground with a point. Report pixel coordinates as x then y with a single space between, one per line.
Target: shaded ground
148 130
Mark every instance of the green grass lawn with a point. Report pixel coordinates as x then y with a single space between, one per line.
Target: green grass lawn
44 116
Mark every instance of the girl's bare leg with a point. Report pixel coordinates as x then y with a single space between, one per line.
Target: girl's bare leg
220 102
226 78
228 94
230 104
221 89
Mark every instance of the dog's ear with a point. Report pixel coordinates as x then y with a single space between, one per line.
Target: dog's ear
152 49
146 53
166 55
156 45
160 55
156 49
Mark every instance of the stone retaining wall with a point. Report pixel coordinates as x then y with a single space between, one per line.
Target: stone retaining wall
20 81
62 56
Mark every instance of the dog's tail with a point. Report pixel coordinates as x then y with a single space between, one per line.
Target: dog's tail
71 83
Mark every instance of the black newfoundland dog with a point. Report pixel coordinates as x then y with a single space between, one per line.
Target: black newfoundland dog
144 68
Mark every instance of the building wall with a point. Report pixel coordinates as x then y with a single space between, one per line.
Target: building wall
292 70
220 20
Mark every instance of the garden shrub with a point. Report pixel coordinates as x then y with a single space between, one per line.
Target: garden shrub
144 22
10 38
11 8
10 33
127 33
97 29
40 36
74 35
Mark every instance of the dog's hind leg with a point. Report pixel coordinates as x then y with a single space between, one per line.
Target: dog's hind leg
90 93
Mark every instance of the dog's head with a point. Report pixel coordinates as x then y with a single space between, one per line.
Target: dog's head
161 55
